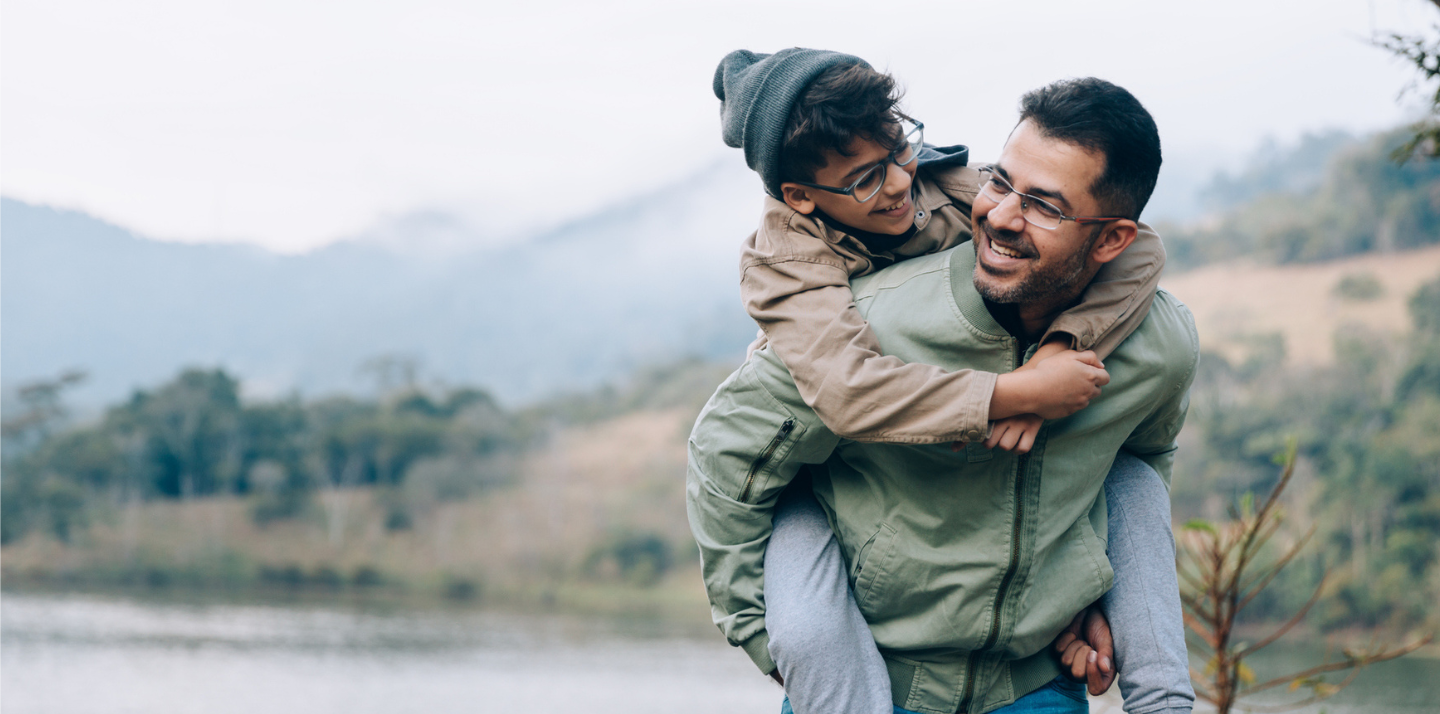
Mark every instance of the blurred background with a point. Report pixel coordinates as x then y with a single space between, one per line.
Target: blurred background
349 349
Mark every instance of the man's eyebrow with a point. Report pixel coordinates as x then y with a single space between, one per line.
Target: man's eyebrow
1052 195
1040 192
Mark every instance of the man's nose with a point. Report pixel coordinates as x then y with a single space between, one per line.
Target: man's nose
1008 214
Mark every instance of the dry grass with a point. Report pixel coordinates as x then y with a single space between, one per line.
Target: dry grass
1236 302
529 540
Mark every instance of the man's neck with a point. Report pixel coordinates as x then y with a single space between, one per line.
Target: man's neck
1029 321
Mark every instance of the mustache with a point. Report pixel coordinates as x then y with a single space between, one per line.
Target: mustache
1007 239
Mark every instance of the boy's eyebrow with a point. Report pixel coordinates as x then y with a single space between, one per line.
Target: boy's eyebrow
858 170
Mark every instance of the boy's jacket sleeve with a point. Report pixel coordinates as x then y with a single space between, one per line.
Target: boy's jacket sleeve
1117 300
796 285
748 444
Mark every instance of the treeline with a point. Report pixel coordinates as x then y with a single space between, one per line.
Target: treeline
195 437
1363 202
1369 476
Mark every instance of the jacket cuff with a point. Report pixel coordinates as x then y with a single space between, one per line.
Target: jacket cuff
758 647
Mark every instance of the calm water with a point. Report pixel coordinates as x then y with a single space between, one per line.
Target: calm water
94 654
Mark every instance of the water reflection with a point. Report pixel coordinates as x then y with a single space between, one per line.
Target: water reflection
95 654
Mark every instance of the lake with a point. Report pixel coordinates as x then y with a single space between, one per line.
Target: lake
73 654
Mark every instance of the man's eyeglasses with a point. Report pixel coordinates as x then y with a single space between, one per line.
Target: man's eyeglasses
1036 211
871 181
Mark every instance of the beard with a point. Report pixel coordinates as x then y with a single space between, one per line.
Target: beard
1040 282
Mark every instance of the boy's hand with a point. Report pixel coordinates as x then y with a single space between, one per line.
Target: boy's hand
1015 433
1091 657
1070 380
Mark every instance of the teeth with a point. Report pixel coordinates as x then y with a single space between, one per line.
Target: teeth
891 208
1005 251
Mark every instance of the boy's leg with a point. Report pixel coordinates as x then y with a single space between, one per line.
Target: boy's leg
1144 606
818 638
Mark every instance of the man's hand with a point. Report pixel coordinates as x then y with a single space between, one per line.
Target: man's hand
1089 656
1015 433
1068 381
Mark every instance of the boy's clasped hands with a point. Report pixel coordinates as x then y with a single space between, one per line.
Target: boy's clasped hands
1054 384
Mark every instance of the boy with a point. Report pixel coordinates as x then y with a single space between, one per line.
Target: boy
852 189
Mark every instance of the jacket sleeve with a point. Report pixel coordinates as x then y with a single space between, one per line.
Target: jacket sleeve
801 298
749 442
1117 300
1154 440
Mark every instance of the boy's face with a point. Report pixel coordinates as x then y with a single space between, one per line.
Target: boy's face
891 211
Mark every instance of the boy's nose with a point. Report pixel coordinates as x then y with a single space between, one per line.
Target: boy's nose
897 182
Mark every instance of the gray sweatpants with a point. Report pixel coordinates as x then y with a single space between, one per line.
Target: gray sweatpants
824 650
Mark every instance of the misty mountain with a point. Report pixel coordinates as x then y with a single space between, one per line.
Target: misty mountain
647 281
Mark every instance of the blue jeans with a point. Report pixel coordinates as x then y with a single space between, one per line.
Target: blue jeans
1061 696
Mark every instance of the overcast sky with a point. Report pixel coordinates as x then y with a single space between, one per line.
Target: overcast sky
294 124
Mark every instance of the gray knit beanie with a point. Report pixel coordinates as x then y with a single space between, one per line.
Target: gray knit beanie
756 94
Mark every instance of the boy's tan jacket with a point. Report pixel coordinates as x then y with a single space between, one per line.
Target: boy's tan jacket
795 282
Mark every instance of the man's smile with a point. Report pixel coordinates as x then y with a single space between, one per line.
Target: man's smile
995 256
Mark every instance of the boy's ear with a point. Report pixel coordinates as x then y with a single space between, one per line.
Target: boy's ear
797 197
1116 237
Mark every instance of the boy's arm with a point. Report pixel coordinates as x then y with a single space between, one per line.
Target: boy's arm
748 443
808 313
1118 300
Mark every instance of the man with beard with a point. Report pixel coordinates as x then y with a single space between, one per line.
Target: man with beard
966 563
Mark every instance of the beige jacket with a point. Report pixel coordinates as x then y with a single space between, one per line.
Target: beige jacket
795 276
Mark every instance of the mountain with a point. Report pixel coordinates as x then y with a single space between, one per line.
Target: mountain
646 281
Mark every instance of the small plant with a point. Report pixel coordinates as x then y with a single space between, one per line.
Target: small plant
1359 287
1221 573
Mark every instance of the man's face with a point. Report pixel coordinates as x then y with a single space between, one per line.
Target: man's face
1018 262
891 211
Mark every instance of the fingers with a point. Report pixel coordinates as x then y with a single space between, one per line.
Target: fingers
1011 438
1063 641
1088 357
995 433
1027 438
1099 674
957 445
1076 659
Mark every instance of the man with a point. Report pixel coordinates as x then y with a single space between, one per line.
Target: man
966 564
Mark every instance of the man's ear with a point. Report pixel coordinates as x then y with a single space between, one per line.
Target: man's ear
1117 236
797 197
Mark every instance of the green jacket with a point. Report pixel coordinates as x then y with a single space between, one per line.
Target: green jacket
965 564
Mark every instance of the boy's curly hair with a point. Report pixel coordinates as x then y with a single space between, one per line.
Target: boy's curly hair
840 104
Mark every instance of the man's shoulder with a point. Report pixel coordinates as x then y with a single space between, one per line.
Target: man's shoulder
1167 339
925 268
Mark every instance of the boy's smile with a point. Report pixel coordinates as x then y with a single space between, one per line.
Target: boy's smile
890 211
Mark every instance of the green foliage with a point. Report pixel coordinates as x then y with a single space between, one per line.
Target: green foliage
1369 461
194 437
1424 54
1359 287
1365 202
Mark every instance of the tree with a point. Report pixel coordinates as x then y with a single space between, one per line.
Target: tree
1222 571
1424 53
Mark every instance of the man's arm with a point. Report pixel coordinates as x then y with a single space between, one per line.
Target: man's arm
749 442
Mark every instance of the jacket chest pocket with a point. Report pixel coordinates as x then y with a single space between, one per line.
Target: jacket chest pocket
873 568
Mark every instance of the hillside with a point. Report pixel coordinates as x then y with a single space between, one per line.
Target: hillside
1238 305
643 283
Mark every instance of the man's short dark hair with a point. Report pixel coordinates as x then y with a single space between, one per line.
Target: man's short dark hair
1100 116
840 104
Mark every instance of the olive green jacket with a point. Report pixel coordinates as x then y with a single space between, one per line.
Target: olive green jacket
965 564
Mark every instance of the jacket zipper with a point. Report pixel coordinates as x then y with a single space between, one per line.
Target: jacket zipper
1022 466
764 458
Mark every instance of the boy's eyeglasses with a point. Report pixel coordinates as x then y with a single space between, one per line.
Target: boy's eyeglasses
1036 211
871 181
